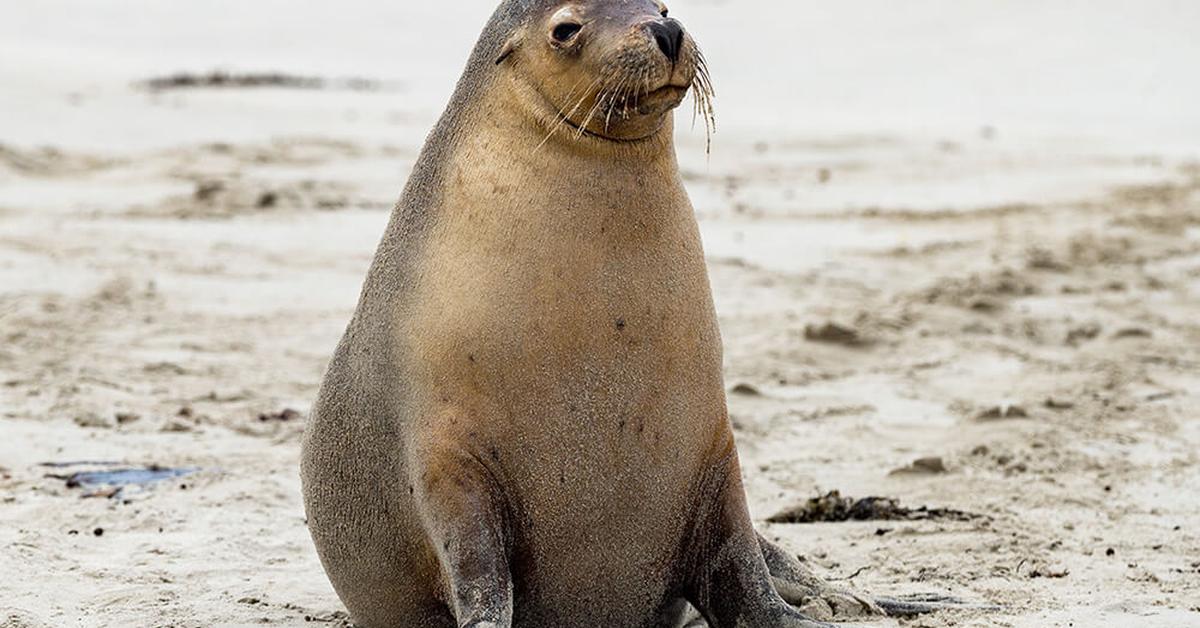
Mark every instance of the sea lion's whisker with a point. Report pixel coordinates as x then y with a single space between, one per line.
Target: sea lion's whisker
626 94
606 100
561 115
612 101
609 99
624 98
599 102
643 88
639 90
564 117
702 96
646 81
582 128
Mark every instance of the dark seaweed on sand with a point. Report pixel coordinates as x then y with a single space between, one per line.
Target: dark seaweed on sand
219 79
832 507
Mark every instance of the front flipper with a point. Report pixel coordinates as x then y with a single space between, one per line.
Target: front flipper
463 510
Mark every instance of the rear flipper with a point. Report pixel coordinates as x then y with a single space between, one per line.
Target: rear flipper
921 603
730 583
800 587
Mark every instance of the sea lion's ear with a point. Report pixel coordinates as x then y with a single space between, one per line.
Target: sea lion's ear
509 47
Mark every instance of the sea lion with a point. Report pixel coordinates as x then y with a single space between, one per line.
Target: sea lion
525 424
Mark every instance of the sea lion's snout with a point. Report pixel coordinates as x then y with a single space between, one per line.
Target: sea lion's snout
668 34
609 70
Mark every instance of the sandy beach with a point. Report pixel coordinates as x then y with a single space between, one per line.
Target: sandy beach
954 247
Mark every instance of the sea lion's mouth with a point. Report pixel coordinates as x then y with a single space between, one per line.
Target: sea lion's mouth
662 99
644 105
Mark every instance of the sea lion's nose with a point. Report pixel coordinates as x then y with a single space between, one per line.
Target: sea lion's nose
668 34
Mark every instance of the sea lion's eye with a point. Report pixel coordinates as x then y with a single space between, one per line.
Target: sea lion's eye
665 11
566 31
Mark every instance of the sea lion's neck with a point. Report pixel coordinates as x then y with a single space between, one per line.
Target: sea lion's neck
509 167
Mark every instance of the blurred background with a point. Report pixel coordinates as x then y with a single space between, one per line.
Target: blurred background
955 249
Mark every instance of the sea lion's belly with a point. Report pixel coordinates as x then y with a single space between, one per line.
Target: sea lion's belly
588 381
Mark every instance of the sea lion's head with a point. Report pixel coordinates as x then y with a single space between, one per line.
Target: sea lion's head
610 69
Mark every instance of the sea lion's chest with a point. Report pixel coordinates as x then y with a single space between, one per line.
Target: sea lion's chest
576 345
571 279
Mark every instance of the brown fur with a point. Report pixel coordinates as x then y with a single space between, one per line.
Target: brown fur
525 422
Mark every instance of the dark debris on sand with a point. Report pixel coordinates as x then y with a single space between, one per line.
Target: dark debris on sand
282 416
111 480
220 79
832 507
833 333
